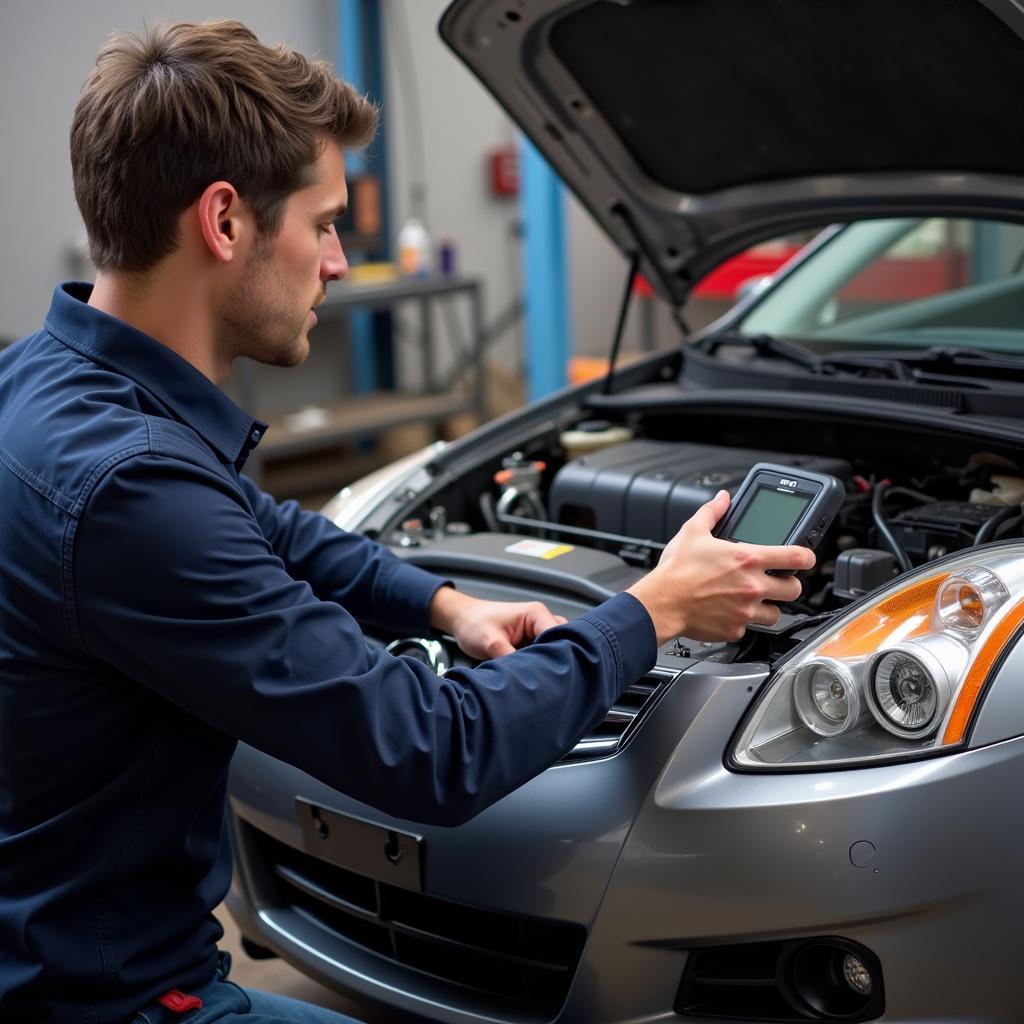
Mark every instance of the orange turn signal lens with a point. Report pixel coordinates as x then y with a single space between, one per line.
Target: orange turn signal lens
901 617
981 667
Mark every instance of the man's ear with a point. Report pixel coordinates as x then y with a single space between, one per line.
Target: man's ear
221 220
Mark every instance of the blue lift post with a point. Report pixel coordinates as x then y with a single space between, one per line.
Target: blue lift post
545 274
361 53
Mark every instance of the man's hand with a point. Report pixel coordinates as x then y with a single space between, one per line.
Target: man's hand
710 589
489 629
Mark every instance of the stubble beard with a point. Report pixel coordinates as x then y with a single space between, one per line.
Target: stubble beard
258 321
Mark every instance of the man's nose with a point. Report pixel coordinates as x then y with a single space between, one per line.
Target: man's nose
333 265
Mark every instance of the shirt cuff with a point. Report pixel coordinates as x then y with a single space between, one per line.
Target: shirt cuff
407 596
627 626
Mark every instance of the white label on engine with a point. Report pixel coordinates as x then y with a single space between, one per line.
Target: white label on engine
539 549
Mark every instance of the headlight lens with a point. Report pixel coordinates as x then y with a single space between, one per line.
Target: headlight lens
905 694
827 697
898 676
911 684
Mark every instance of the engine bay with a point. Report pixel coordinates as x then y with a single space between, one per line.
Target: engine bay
587 509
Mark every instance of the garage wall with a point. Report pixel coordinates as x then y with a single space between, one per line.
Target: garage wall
46 50
47 47
460 122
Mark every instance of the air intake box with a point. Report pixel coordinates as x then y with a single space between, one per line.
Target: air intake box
648 489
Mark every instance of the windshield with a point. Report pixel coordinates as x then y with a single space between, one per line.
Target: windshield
907 281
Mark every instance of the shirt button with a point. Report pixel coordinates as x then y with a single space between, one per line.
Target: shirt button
255 435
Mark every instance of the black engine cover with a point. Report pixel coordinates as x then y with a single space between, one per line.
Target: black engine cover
648 489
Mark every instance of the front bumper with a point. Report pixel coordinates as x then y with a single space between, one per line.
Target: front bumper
611 872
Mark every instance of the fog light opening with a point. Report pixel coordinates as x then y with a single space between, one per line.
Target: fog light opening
833 979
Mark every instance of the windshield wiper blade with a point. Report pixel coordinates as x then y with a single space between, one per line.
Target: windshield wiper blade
941 366
888 367
936 366
766 345
959 356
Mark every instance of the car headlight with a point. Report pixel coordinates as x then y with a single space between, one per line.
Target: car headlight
900 675
351 505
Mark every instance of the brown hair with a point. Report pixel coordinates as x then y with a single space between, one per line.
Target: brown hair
163 115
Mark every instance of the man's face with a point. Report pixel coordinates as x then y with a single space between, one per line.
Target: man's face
268 314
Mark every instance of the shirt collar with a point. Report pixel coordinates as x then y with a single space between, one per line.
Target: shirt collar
187 393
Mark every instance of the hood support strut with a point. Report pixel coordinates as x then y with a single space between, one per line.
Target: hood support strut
642 248
634 266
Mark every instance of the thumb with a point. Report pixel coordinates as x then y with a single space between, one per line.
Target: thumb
539 619
498 646
705 518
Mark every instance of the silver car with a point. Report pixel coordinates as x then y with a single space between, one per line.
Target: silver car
815 823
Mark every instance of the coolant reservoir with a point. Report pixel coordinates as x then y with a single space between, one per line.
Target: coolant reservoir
592 436
1006 491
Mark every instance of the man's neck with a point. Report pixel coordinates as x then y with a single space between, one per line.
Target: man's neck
171 312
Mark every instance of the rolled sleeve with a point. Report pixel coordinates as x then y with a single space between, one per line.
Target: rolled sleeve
629 631
406 592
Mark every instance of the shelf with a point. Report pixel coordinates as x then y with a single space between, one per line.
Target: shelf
357 416
387 293
345 421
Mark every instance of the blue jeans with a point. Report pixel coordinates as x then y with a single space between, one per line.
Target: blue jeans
225 1003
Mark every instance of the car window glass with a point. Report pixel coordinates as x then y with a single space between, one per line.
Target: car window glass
719 290
931 281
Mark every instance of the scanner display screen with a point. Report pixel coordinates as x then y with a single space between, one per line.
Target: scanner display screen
769 517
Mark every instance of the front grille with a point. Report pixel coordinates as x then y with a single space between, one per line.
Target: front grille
622 720
510 961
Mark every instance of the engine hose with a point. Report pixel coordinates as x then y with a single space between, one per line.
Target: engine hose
990 527
487 511
907 492
883 527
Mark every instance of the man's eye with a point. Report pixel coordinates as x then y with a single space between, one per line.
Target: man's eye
326 229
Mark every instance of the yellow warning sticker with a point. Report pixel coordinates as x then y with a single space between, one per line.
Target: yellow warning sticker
539 549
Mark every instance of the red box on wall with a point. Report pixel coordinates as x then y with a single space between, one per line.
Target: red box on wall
503 164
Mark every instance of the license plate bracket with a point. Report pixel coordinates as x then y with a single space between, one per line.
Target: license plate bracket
386 854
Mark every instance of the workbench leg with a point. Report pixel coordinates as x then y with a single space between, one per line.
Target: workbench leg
476 308
427 342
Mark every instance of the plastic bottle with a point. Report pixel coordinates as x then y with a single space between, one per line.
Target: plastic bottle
413 248
592 436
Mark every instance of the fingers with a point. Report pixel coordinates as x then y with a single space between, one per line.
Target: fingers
789 556
518 625
705 518
782 588
766 615
498 647
538 618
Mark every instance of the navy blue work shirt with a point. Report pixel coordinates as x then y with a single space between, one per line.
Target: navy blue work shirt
155 608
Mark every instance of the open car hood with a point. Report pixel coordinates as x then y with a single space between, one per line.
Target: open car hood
692 129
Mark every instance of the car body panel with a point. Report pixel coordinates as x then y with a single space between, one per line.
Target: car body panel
620 96
720 857
547 850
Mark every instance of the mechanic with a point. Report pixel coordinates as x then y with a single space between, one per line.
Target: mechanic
157 607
